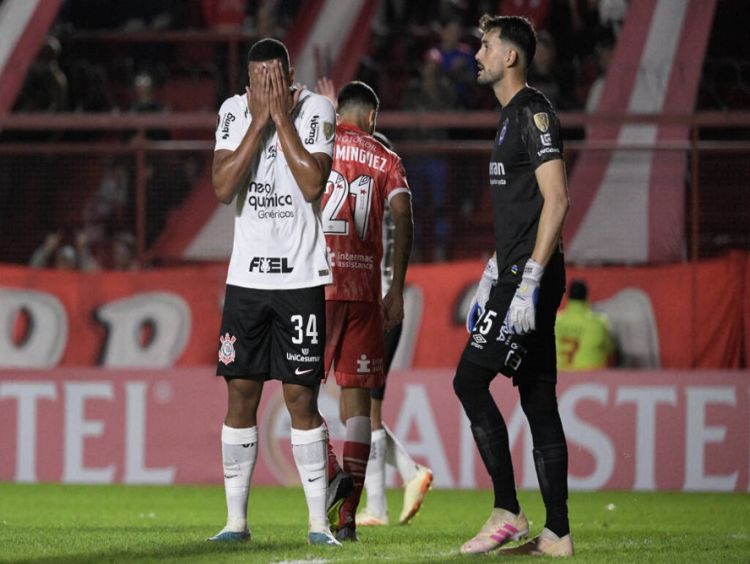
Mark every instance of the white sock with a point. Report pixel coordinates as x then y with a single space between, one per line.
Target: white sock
239 451
397 455
375 477
311 457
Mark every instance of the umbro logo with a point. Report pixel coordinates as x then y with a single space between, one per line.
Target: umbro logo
479 339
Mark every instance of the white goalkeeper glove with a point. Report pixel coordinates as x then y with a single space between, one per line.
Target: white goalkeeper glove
488 280
521 316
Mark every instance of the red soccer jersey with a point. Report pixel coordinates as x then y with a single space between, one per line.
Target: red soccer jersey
364 177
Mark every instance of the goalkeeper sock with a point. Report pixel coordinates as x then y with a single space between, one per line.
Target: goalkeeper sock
375 477
356 453
310 455
396 453
472 386
552 472
239 451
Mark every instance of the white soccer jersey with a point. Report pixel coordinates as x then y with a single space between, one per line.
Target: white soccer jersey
278 237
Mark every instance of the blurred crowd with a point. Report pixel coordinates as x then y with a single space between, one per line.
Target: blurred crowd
418 46
420 58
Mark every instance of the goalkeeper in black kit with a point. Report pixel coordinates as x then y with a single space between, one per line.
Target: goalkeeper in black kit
512 319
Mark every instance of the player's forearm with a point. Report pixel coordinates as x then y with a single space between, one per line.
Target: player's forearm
550 226
554 188
233 172
403 237
310 175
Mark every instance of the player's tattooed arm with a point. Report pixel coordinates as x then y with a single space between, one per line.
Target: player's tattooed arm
393 302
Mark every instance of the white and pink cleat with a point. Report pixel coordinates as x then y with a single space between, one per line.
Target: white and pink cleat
502 527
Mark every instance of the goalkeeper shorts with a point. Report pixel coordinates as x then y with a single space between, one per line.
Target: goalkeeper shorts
492 345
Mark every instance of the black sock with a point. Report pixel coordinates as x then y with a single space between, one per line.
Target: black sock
552 471
472 386
539 403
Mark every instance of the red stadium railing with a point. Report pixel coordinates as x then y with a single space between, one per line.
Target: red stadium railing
711 134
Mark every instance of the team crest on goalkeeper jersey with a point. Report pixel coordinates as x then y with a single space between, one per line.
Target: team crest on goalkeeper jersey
541 120
226 350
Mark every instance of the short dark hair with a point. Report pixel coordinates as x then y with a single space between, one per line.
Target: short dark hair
358 93
578 290
516 29
268 49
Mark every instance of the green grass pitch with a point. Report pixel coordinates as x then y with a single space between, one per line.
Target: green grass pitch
59 523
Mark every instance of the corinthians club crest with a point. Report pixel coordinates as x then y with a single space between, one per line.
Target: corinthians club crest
226 350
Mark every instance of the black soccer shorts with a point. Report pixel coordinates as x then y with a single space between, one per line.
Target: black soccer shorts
275 334
520 357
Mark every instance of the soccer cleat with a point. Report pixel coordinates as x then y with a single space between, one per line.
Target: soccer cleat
339 489
230 536
347 533
501 528
367 519
414 493
322 538
546 544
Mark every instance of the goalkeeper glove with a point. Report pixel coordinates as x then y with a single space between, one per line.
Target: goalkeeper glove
476 309
521 316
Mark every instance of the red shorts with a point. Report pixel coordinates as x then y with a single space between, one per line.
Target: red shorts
354 343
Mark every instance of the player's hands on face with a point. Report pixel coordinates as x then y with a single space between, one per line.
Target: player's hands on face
393 309
258 93
281 103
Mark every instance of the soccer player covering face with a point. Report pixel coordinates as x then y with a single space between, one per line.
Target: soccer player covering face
364 178
512 321
274 147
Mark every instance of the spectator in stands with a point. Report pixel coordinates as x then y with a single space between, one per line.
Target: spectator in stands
124 252
612 14
428 173
42 255
556 80
457 61
45 89
145 102
159 169
54 254
106 210
605 46
584 339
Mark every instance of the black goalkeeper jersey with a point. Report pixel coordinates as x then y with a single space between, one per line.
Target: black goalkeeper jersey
528 136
